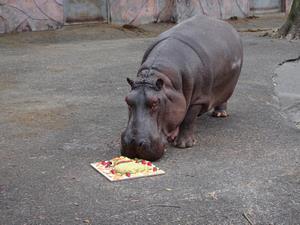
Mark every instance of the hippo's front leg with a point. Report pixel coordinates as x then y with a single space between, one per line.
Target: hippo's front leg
185 138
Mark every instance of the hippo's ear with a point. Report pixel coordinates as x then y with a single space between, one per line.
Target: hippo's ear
159 84
130 82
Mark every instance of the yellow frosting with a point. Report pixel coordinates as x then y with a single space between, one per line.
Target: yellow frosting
131 167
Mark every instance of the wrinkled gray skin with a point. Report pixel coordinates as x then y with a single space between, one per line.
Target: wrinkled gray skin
187 71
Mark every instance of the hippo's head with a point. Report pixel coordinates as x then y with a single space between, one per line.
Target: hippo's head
143 137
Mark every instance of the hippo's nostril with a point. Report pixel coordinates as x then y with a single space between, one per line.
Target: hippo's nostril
141 144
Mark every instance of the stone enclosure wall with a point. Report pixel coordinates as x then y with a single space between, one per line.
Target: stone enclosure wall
219 9
34 15
30 15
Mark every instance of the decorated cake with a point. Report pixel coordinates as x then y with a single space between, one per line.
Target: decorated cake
121 168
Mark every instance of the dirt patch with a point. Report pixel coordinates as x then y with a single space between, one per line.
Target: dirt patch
7 82
52 119
56 68
81 32
262 23
25 135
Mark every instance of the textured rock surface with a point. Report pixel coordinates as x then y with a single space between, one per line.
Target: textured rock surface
30 15
141 11
85 10
33 15
223 9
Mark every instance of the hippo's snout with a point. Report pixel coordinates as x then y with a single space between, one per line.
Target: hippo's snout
141 147
142 143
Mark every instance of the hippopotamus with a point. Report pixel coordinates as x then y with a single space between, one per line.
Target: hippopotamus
188 70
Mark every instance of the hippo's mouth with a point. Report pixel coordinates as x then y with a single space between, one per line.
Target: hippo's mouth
151 151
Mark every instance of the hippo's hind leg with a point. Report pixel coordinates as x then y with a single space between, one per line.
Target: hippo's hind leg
186 136
220 110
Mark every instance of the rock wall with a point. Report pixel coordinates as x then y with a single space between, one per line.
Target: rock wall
145 11
265 5
33 15
85 10
141 11
222 9
30 15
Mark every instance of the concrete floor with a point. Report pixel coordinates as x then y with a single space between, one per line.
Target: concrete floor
62 107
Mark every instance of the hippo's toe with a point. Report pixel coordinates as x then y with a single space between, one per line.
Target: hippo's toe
184 141
219 113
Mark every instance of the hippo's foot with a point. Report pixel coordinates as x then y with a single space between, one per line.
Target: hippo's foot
220 111
185 139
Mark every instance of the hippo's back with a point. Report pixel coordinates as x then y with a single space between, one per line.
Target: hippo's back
204 28
215 42
211 39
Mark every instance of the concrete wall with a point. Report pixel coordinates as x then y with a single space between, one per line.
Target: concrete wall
263 5
222 9
30 15
85 10
33 15
146 11
141 11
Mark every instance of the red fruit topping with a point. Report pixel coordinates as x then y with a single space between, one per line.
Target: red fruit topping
128 174
154 169
113 171
144 162
149 164
106 163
